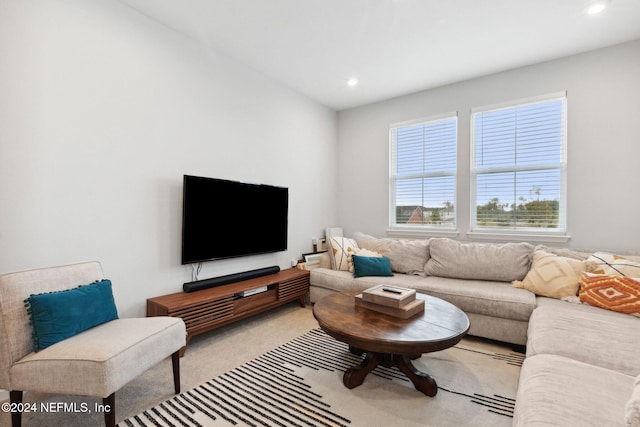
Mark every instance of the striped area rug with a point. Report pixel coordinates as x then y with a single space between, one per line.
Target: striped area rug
300 384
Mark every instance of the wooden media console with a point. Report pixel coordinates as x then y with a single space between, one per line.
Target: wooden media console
212 308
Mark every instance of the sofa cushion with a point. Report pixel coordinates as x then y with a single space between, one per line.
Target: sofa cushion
482 261
564 252
616 293
554 390
343 281
339 249
56 316
553 276
496 299
565 329
405 255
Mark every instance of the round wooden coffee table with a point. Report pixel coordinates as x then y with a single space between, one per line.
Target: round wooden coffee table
390 340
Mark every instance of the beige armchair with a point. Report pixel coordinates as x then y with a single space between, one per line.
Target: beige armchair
96 362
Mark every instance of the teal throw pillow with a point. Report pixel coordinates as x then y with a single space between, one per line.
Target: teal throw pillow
371 266
59 315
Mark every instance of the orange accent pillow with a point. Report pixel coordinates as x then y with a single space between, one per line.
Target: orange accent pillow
617 293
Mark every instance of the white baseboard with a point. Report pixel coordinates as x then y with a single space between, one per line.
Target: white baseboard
4 395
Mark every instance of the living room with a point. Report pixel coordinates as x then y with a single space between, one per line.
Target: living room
104 109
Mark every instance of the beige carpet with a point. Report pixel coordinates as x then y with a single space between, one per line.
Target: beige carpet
278 369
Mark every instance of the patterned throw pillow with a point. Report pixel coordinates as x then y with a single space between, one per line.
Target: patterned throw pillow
613 265
339 250
617 293
553 276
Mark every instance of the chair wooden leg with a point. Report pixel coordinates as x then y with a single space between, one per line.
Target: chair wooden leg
15 397
175 362
109 404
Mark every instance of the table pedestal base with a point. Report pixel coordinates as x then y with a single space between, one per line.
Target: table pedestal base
355 376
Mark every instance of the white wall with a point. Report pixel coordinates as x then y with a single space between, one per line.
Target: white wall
102 111
603 89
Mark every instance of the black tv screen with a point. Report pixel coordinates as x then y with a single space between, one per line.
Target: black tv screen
224 219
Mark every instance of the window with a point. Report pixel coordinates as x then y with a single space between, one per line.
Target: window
422 181
518 166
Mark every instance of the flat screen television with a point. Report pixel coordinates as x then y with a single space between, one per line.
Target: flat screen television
224 219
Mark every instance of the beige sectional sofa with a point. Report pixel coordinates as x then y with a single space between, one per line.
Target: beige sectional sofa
582 365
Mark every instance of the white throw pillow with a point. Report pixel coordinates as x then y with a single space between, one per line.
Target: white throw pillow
632 410
614 265
339 250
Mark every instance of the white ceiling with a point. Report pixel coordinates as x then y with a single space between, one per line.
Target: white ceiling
393 47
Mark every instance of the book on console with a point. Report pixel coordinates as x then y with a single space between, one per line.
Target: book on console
254 291
389 295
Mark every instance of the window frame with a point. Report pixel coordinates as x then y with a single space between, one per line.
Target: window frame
421 229
558 234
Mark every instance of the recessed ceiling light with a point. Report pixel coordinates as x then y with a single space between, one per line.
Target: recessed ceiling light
352 82
596 8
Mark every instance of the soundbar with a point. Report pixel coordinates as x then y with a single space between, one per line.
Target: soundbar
199 285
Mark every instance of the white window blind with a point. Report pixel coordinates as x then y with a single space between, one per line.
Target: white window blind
518 166
422 179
